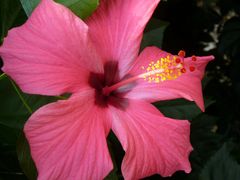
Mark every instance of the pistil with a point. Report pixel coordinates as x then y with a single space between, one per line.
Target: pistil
165 68
108 89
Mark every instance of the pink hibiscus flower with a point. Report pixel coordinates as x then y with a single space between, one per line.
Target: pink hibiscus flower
112 87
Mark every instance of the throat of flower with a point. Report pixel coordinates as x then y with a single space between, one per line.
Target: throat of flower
108 89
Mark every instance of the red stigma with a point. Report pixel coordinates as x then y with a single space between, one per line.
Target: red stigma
178 60
182 53
191 68
194 58
183 70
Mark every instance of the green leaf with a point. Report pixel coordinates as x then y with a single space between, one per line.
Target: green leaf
116 153
82 8
11 14
21 97
13 112
13 115
230 37
9 167
180 108
8 135
2 76
221 166
205 141
154 32
29 5
204 138
112 176
25 159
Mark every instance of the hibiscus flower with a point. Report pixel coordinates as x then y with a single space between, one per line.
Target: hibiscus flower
112 88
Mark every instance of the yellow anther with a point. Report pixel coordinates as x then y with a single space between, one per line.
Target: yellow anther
162 69
164 78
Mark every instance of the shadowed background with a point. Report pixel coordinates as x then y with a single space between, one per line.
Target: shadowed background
200 27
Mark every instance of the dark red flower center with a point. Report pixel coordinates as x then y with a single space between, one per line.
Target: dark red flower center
108 78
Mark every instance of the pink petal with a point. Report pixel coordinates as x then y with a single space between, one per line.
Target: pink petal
116 29
68 139
49 54
152 142
188 85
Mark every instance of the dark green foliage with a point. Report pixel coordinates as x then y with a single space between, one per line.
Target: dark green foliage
82 8
11 14
221 166
25 160
191 25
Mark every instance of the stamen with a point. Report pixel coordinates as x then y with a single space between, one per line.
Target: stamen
183 70
182 53
163 69
194 58
178 60
192 68
167 68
